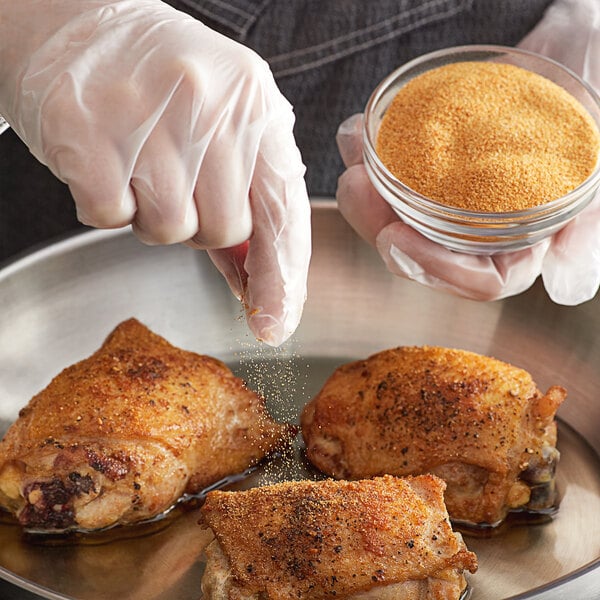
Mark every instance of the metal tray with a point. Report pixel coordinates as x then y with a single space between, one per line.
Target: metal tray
59 303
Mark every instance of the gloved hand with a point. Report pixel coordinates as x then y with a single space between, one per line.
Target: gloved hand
155 120
569 262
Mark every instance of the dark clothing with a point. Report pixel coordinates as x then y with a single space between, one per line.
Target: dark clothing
34 205
327 57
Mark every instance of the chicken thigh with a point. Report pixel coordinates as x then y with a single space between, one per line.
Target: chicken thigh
379 539
122 435
478 423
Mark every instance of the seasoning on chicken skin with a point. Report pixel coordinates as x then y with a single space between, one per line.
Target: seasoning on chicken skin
122 435
383 538
478 423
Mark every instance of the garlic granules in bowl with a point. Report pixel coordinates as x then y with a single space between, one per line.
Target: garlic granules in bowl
487 137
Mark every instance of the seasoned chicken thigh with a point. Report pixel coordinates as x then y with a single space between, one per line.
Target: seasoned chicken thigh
478 423
380 539
120 436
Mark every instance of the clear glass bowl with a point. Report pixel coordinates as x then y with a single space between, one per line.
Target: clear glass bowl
463 230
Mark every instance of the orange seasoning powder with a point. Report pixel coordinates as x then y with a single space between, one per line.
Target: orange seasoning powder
488 137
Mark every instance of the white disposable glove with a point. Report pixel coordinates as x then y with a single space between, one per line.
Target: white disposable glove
569 262
155 120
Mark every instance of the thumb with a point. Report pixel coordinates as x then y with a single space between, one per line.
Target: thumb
349 140
571 267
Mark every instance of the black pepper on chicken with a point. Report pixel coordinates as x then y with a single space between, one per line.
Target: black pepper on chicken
479 423
122 435
379 539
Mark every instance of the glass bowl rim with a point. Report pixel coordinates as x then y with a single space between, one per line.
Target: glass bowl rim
566 200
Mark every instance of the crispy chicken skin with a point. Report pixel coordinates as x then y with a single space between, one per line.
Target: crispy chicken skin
120 436
386 537
478 423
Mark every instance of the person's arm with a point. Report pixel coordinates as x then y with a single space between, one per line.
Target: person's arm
155 120
569 262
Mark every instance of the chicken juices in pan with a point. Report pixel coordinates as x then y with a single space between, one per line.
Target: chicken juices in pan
379 539
478 423
122 435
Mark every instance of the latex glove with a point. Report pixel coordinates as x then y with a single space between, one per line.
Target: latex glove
569 262
155 120
570 34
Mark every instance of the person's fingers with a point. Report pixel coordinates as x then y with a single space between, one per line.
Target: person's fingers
223 186
571 268
102 201
166 212
360 204
349 140
230 263
90 164
409 254
280 247
222 192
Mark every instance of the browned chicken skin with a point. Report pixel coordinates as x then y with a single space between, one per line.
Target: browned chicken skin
384 538
120 436
478 423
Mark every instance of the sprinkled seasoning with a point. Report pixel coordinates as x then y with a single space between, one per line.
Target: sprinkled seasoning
280 376
488 137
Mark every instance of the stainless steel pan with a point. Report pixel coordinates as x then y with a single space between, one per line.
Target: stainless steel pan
58 304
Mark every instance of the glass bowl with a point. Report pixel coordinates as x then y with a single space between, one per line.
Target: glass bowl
463 230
